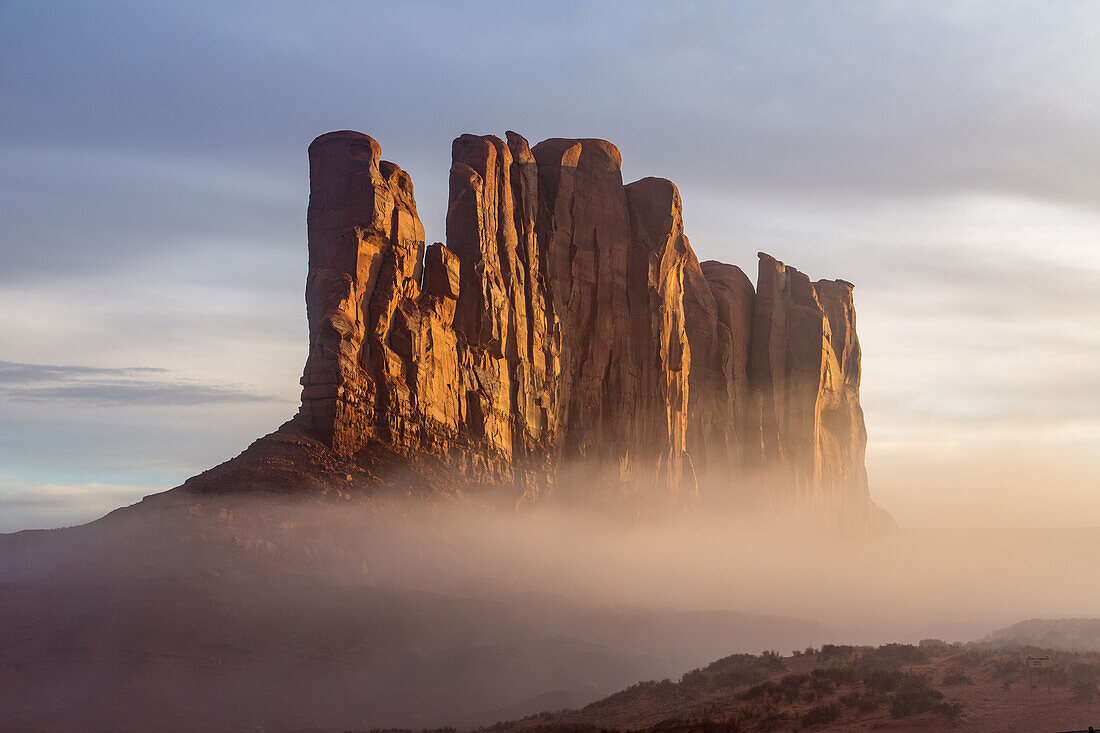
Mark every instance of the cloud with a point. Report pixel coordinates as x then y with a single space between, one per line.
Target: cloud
99 387
15 373
194 120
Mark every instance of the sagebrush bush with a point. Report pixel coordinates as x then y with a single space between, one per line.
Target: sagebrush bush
883 680
820 715
948 708
898 654
760 691
913 696
1084 690
830 652
771 659
1005 669
790 685
865 701
837 675
956 677
822 685
664 690
731 671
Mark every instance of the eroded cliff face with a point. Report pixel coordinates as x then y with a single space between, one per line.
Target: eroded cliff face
567 325
804 372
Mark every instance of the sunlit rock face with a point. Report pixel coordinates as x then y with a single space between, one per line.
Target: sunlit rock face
567 325
805 416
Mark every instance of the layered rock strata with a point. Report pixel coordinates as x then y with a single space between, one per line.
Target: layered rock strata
568 325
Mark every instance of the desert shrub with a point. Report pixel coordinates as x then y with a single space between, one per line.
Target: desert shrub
1083 690
820 715
1084 671
733 661
968 659
864 701
956 677
880 669
763 716
1004 668
899 654
948 708
663 690
882 680
822 685
836 675
913 696
771 659
793 683
773 720
810 650
755 711
934 645
731 671
761 691
840 652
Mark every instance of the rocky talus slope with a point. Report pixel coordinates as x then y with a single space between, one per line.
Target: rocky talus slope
565 329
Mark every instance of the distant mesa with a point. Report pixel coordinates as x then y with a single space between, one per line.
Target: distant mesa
565 341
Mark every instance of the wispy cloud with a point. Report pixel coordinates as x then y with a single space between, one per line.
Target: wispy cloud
12 372
92 386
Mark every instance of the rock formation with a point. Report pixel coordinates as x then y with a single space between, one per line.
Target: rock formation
566 325
804 368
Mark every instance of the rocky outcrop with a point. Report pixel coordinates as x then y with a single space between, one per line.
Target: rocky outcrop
366 247
567 325
804 372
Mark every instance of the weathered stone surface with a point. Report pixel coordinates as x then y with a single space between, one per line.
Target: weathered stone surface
566 324
804 382
718 300
365 256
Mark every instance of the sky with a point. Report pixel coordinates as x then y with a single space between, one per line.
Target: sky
944 157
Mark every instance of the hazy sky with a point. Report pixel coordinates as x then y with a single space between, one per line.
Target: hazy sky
945 157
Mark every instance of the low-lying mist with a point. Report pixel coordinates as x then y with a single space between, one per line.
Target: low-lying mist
900 583
903 585
339 613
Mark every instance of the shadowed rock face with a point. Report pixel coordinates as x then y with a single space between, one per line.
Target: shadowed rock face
568 323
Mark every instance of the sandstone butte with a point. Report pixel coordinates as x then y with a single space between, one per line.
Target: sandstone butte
566 341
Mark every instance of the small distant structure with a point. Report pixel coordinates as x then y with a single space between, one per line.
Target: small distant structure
1041 661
